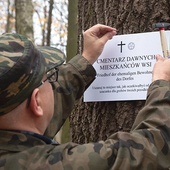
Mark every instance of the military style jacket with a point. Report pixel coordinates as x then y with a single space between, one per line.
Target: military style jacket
146 147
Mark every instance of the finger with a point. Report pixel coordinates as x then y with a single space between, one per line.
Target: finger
105 30
100 30
159 58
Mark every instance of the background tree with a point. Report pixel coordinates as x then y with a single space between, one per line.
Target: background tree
24 17
10 17
72 29
71 51
98 120
42 23
51 3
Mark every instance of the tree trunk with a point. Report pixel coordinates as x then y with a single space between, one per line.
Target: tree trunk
94 121
71 51
51 2
43 24
24 17
9 16
72 29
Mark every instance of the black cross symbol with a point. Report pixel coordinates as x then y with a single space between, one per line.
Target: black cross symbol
121 44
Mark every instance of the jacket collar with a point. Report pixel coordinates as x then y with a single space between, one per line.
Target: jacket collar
15 140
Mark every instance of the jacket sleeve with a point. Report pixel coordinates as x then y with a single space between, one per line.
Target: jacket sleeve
147 146
74 78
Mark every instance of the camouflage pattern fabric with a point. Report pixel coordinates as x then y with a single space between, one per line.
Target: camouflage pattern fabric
146 147
22 67
74 78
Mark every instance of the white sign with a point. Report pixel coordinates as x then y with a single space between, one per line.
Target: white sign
124 69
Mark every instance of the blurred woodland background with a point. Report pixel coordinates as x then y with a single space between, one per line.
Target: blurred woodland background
40 20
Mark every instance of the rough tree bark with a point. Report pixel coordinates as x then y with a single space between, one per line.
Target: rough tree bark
95 121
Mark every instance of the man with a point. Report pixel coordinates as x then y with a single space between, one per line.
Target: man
27 76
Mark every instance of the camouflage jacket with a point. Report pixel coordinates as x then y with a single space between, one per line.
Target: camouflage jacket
74 78
146 147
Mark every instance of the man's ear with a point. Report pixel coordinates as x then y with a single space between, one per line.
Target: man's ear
35 103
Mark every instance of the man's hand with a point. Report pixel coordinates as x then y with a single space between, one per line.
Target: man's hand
94 40
161 70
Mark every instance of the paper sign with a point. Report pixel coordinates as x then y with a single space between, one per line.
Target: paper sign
124 69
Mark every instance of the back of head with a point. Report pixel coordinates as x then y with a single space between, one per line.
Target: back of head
22 67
